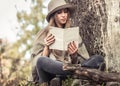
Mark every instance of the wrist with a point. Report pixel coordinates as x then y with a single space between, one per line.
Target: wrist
46 47
74 58
46 51
74 55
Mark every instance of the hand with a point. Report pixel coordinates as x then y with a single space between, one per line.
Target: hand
49 39
72 48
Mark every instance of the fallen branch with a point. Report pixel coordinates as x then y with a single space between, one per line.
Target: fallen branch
93 74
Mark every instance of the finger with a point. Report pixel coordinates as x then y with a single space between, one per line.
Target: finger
50 37
71 46
50 42
46 38
72 52
76 48
71 49
74 44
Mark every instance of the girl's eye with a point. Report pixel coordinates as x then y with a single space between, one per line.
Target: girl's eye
59 12
63 10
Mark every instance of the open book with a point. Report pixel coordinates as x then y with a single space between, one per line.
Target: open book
64 36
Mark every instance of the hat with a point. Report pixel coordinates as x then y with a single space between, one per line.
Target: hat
55 5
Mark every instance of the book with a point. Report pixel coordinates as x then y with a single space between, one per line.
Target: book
64 36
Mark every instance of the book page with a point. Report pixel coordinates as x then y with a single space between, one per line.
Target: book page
63 37
58 33
71 34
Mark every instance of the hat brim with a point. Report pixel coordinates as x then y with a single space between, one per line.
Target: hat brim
70 7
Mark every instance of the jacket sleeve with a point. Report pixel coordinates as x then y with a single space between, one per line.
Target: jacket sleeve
82 52
38 44
36 53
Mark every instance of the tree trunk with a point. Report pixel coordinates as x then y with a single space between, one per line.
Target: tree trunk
112 44
99 23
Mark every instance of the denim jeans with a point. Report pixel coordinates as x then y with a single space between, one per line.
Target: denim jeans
48 69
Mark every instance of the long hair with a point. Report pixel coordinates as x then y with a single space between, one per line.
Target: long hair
53 23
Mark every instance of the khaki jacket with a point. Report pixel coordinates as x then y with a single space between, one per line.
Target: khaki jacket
62 56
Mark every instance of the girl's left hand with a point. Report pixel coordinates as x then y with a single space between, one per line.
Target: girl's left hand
72 48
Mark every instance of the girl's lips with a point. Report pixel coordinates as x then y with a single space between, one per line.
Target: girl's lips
63 19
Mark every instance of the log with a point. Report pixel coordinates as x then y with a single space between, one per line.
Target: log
92 74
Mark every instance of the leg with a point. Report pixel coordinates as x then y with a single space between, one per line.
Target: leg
46 66
94 61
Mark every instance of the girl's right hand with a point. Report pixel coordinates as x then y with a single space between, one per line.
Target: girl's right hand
49 39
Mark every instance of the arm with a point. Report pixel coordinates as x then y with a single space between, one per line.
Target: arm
41 43
72 50
49 39
74 58
46 51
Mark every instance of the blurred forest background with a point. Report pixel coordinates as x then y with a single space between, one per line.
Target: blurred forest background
99 19
15 57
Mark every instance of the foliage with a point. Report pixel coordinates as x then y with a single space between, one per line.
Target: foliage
30 24
67 82
17 70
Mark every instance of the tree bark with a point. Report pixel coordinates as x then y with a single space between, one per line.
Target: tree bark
91 17
99 23
112 42
92 74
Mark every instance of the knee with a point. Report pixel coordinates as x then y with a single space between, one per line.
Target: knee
98 58
40 62
40 59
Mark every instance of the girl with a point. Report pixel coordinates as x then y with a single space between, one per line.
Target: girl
47 62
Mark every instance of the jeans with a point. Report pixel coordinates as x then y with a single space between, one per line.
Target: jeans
48 69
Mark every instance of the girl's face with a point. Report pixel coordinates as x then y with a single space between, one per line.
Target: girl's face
61 17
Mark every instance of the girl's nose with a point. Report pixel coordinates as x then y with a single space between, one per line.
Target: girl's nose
63 13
